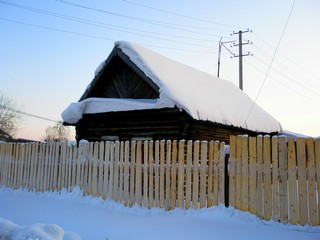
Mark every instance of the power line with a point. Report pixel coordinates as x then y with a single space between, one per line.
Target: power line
29 114
100 24
97 37
169 25
184 16
274 55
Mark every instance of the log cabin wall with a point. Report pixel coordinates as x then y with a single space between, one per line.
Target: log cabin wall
155 124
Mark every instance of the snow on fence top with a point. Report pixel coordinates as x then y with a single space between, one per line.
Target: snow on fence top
203 96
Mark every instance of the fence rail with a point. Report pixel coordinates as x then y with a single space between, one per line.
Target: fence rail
274 178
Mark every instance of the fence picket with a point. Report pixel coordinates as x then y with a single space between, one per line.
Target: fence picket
203 174
317 162
302 181
253 175
161 184
151 175
259 177
292 182
239 204
106 170
170 190
221 197
188 175
283 176
181 174
244 174
216 173
195 175
275 179
138 183
210 174
156 174
145 173
312 188
132 172
126 174
232 171
267 178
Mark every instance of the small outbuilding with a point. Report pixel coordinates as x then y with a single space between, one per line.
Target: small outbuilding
139 94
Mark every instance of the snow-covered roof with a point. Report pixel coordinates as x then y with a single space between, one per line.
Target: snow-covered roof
201 95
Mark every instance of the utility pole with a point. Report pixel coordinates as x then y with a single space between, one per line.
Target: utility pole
240 55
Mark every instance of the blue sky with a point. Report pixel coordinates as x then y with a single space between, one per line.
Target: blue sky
50 50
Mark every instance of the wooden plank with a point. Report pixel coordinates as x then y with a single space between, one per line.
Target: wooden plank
95 169
317 161
188 175
195 179
283 178
106 170
259 176
216 172
232 171
267 193
275 179
162 170
132 172
111 169
26 173
100 173
145 173
203 173
126 174
245 174
181 174
170 197
222 155
156 174
253 175
210 175
173 175
115 195
239 204
15 162
151 176
302 181
312 187
46 166
90 162
292 183
138 185
120 192
39 180
21 165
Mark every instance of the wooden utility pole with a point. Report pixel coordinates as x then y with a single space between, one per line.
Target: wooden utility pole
240 55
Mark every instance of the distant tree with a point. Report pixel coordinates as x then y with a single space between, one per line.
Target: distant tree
9 114
57 133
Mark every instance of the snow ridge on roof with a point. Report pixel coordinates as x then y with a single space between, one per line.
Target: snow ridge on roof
203 96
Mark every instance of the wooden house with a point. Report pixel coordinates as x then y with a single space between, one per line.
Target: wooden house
139 94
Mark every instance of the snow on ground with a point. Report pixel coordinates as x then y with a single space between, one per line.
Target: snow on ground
70 216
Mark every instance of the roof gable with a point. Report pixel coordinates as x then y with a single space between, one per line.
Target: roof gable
201 95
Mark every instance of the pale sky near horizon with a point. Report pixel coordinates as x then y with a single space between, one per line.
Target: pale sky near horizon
50 50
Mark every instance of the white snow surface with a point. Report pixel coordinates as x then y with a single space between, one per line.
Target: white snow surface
30 215
203 96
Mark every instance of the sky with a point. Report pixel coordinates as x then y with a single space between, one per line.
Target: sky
51 48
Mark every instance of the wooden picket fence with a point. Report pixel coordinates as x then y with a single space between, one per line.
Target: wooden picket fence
165 174
276 178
